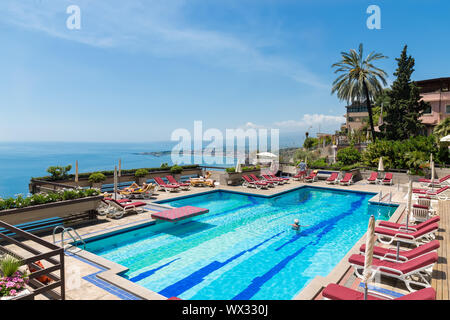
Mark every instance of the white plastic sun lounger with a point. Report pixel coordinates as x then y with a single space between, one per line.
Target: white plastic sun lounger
415 271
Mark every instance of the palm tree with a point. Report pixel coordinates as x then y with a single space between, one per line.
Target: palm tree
359 79
442 129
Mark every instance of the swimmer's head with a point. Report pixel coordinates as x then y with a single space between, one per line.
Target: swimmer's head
296 221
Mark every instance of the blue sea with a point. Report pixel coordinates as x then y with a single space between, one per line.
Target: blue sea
19 161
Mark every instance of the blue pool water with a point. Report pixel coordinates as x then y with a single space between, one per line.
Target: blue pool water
244 248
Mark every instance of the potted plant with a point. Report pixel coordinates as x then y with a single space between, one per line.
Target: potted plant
96 180
12 282
141 176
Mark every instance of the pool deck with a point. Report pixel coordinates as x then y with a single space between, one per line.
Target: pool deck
89 277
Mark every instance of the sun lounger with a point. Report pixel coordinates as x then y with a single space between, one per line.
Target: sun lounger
144 192
347 180
270 178
439 194
425 234
117 209
299 175
183 186
332 179
436 183
312 177
338 292
270 182
388 179
166 186
285 179
400 226
404 255
373 178
249 183
416 271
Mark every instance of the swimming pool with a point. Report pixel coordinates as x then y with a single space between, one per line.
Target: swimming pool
244 248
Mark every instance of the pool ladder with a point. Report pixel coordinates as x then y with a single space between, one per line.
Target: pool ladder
76 238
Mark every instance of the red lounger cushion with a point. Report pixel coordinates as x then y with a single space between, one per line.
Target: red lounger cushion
336 292
399 233
333 176
177 214
422 294
135 204
408 254
417 226
404 267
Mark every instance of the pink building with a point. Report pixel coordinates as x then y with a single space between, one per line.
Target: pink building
437 93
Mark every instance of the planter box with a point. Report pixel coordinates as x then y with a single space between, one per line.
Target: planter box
50 210
235 178
17 296
356 174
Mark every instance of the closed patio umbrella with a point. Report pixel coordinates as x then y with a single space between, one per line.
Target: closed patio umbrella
238 166
370 241
115 182
380 165
273 167
120 167
76 171
432 175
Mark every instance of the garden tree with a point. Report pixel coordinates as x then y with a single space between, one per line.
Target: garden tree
405 106
442 129
310 143
359 79
58 172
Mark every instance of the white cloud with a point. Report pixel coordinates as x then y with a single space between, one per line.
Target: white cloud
312 120
156 27
327 123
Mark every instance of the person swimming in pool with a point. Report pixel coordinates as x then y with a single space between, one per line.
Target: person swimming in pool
296 226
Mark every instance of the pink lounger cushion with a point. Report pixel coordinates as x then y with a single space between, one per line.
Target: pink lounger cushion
337 292
246 178
347 177
425 191
373 176
333 176
404 267
407 235
408 254
435 181
177 214
419 226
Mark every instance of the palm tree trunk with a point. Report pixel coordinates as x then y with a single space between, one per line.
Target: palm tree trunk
369 108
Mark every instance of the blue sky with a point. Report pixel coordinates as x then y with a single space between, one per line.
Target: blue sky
137 70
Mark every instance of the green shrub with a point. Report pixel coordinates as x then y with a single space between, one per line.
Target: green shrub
397 154
43 198
230 170
141 173
9 265
349 155
97 177
319 163
350 167
110 173
176 169
58 172
165 165
250 168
